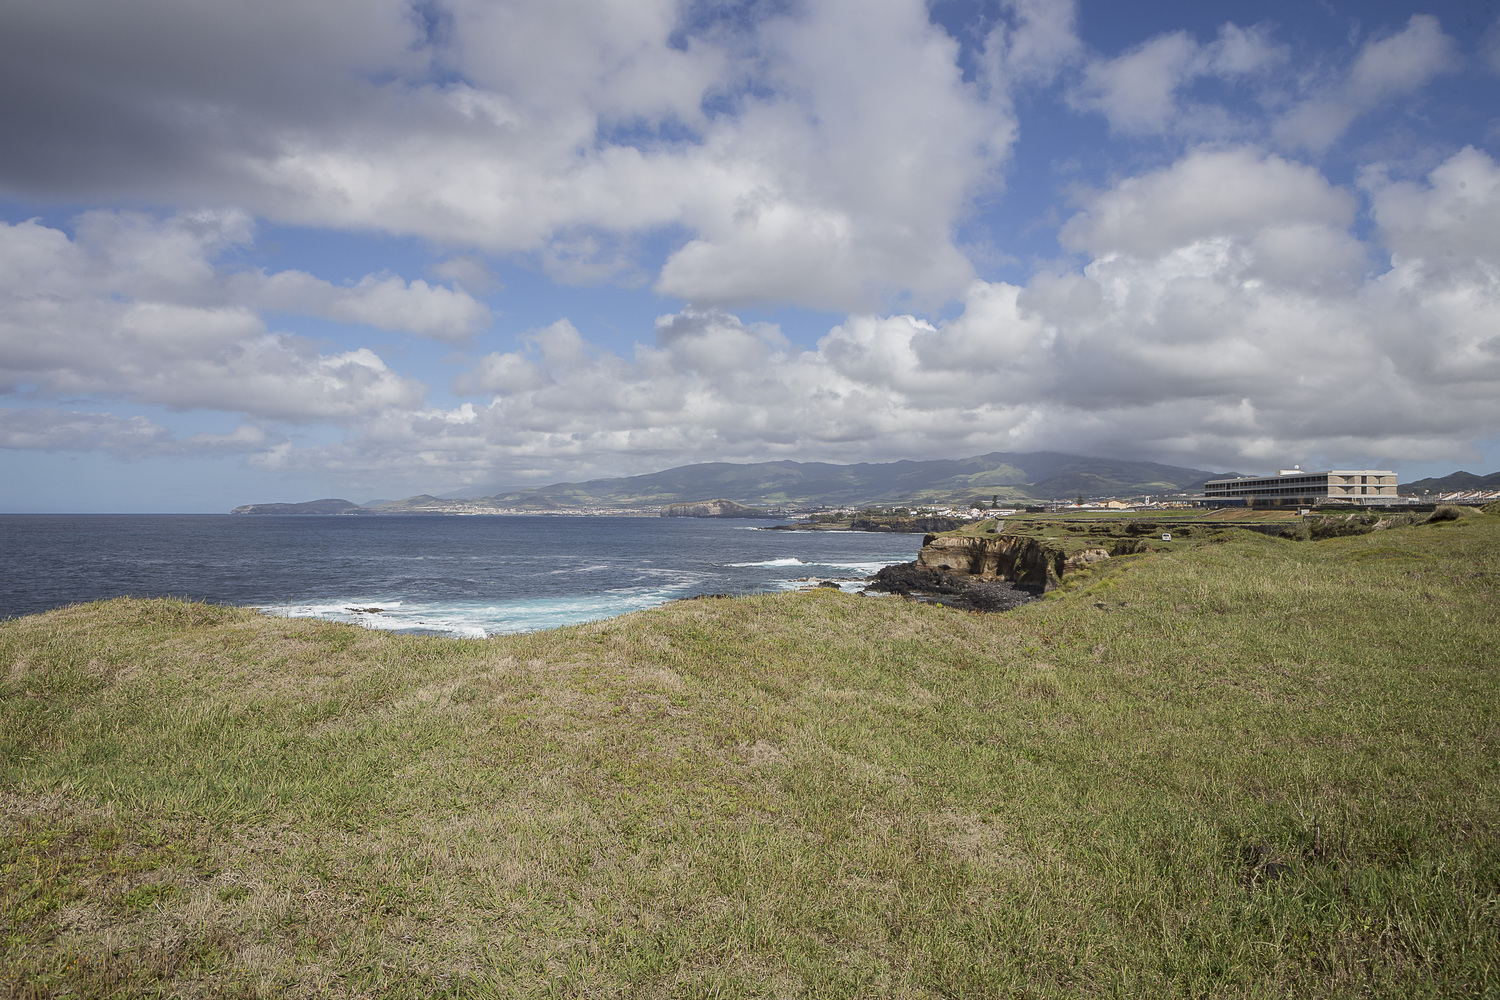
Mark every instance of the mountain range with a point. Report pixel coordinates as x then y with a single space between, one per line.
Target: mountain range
1010 477
1453 483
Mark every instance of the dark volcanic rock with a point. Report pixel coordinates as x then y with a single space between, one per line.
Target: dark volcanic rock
907 525
953 590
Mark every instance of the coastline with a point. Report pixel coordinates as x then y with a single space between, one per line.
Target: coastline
457 575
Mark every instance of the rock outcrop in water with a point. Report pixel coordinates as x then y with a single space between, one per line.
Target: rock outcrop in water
983 572
1015 559
712 508
952 590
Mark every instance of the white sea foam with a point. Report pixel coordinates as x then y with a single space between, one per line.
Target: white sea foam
630 584
862 568
813 583
390 616
477 619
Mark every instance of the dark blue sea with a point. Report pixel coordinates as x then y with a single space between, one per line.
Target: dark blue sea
461 576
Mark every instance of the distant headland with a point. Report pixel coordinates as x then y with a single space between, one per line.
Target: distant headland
789 489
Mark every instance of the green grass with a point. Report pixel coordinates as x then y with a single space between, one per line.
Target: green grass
1251 767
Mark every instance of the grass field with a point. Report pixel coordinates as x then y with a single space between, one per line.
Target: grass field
1253 768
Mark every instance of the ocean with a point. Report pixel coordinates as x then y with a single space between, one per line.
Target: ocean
459 576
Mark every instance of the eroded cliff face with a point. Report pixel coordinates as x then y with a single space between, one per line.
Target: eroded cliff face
908 525
1014 559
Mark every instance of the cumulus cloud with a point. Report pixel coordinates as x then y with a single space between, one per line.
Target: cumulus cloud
816 154
1264 310
468 273
134 308
847 183
1442 293
1246 329
1038 42
1220 308
1225 314
383 301
1388 67
1144 90
1152 89
45 429
1208 193
1452 219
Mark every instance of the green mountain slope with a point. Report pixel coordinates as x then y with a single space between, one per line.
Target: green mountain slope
1014 477
423 500
1453 482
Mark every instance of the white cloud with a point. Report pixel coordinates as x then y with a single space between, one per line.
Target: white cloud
1207 193
845 184
383 301
134 256
716 342
1142 91
44 429
1137 91
1452 220
468 273
1385 68
1042 41
1226 315
1242 332
1262 308
1442 293
135 309
818 156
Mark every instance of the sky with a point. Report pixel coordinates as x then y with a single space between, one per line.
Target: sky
374 248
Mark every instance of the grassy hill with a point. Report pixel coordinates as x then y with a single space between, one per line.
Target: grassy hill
1250 767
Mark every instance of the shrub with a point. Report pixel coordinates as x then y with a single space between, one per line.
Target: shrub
1335 527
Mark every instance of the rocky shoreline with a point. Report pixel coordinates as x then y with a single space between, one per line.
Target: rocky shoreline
988 571
952 590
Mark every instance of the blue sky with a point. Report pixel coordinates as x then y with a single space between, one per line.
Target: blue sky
370 248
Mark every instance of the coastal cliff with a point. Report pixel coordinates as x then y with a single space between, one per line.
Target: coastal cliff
911 525
891 523
1015 559
984 572
712 508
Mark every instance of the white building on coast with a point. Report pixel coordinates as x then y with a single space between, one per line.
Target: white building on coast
1295 488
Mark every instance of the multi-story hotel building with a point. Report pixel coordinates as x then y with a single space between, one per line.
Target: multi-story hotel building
1293 487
